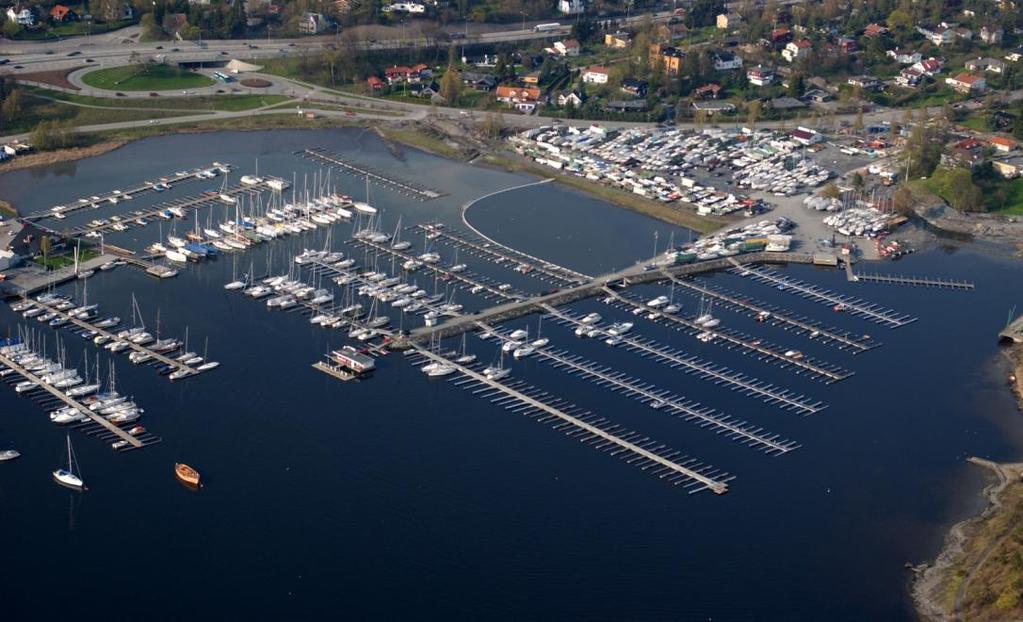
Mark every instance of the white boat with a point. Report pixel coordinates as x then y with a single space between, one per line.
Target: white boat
67 476
658 302
9 454
208 366
523 351
591 318
177 256
365 208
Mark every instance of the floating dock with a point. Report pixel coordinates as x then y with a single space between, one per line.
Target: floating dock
407 188
73 403
853 306
774 315
638 450
890 279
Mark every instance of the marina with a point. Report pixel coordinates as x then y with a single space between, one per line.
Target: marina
915 281
661 461
115 196
387 180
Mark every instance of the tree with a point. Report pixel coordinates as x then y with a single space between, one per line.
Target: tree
451 86
830 191
12 107
961 192
50 135
752 113
583 29
857 180
902 200
858 120
44 248
493 124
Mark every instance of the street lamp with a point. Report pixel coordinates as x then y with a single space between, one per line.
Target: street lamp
523 13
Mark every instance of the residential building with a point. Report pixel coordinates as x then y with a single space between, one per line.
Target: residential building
669 57
567 47
424 89
1009 168
595 74
21 15
628 105
874 30
867 83
991 65
929 67
780 36
806 136
796 50
726 61
710 108
909 78
760 76
1015 55
905 57
404 7
991 35
479 81
61 13
312 23
845 45
518 94
1002 144
729 21
571 7
966 83
634 87
618 40
569 99
374 83
669 33
785 103
817 96
707 91
939 35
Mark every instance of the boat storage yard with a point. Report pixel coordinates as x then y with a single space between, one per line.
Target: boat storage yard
475 312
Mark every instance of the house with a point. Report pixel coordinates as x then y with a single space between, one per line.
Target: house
60 13
618 40
567 47
1015 55
909 78
669 33
867 83
634 87
21 15
669 57
929 67
874 30
530 79
569 99
780 36
991 65
726 61
424 89
1002 144
312 23
707 91
1008 168
939 35
729 21
594 74
518 94
760 76
397 74
571 7
630 105
420 71
806 136
845 45
966 83
817 96
479 81
404 7
991 35
904 57
374 83
712 108
785 103
796 50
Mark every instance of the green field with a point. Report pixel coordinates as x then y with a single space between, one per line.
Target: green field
196 103
145 78
1001 196
37 109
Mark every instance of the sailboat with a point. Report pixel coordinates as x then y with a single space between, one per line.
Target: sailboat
464 358
67 477
207 365
539 342
235 283
499 371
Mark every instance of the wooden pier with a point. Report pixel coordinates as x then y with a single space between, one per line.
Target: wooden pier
73 403
840 302
501 255
587 427
775 316
100 201
404 187
889 279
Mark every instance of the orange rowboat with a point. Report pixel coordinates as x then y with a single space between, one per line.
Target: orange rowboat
186 474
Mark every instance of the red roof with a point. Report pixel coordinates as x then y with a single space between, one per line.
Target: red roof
966 78
418 68
59 12
969 143
523 93
374 82
872 30
397 71
802 43
708 88
596 69
931 64
1001 140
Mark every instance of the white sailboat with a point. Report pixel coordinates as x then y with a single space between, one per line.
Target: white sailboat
67 477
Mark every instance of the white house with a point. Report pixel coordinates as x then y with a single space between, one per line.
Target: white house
760 76
726 61
967 83
567 47
796 50
595 74
404 7
929 67
21 15
904 57
571 7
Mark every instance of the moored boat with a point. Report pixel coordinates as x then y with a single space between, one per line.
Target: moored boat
186 474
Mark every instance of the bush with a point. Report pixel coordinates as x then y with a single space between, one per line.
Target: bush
51 135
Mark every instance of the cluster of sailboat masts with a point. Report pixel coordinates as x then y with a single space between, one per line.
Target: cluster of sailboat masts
102 333
86 391
258 222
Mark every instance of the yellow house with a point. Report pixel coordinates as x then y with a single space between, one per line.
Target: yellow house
618 40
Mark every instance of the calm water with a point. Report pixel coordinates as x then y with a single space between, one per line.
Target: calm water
402 497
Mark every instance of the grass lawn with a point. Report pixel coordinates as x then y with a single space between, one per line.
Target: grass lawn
201 103
145 78
1001 196
37 109
65 259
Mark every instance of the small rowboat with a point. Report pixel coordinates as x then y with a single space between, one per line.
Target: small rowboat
186 474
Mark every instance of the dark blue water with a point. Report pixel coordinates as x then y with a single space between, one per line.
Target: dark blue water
404 497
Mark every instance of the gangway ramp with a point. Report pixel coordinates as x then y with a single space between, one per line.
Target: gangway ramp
636 449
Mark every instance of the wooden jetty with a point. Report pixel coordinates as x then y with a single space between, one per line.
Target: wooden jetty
771 314
890 279
118 196
82 408
28 283
638 450
404 187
